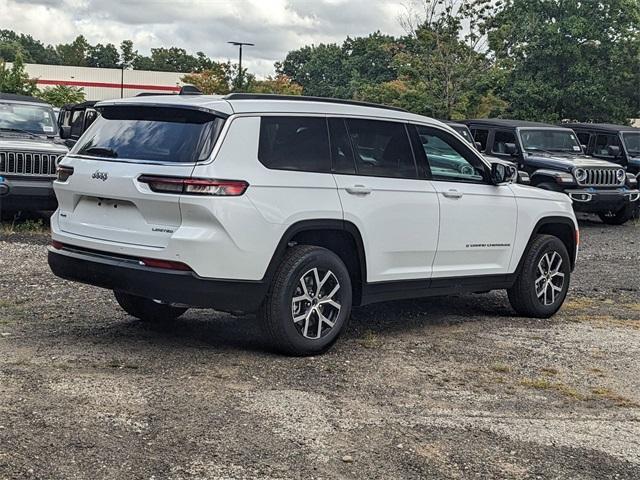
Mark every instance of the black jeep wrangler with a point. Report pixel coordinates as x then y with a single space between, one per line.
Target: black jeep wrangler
554 159
30 148
74 119
615 143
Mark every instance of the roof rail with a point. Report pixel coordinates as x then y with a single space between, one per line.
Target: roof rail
301 98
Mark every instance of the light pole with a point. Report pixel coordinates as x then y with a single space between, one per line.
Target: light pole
240 45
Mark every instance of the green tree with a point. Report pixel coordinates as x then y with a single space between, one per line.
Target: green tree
279 84
61 95
168 60
15 79
103 56
33 51
74 53
217 80
569 59
127 54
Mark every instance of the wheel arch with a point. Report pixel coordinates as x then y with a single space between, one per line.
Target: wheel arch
562 228
339 236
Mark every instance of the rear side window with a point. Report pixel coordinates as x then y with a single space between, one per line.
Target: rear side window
294 143
481 136
342 158
161 134
381 149
603 142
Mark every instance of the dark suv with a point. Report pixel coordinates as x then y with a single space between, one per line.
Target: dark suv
29 151
555 160
615 143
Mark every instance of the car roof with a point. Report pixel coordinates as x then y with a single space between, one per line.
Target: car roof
506 123
453 123
240 104
602 127
12 97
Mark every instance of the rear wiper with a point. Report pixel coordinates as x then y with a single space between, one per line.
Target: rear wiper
100 152
18 130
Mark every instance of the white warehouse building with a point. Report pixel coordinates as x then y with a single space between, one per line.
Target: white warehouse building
105 83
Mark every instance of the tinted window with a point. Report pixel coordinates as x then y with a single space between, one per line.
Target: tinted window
603 142
341 151
583 138
448 158
294 143
464 131
77 123
480 136
152 134
381 149
500 140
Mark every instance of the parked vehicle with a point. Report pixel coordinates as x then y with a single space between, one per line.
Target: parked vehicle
74 119
298 208
29 150
615 143
554 159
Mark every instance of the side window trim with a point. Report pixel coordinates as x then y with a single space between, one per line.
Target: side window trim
419 155
353 154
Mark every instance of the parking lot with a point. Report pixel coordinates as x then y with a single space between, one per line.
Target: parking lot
453 387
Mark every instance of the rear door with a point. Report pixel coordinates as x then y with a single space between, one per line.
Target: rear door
104 198
477 219
382 194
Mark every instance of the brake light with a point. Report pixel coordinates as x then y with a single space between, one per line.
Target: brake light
166 264
63 173
195 186
57 245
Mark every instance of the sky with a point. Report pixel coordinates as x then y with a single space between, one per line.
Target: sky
275 26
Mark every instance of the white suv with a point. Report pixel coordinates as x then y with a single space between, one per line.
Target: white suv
298 208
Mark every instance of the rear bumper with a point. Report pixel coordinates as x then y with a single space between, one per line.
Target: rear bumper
177 287
590 200
25 194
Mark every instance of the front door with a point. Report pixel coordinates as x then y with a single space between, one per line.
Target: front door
477 219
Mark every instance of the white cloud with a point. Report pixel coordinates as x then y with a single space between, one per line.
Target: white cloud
275 26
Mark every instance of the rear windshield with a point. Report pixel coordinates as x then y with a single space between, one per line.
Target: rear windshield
156 134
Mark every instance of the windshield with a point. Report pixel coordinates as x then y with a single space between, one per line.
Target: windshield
156 134
632 142
464 131
38 119
550 140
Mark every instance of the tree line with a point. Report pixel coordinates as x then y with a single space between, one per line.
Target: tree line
545 60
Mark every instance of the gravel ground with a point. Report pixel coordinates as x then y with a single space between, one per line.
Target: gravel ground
456 387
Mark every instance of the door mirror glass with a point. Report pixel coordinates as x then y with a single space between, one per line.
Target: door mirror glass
502 173
510 148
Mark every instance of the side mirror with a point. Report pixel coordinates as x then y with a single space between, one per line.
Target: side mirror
584 148
511 148
478 146
65 131
524 178
502 173
613 151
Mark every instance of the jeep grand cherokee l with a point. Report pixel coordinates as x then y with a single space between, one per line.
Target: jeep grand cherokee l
298 209
29 150
555 160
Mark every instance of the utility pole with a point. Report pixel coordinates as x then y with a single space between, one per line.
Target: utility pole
240 45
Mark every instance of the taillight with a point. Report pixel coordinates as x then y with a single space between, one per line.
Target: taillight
57 245
63 173
577 237
195 186
166 264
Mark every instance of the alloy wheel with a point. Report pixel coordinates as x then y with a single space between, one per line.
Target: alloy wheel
315 305
550 281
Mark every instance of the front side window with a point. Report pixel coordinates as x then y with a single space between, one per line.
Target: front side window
632 143
500 140
583 138
77 123
38 119
294 143
381 149
550 140
603 142
449 160
161 134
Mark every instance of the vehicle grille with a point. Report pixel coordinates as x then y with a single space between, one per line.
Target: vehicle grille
28 163
601 177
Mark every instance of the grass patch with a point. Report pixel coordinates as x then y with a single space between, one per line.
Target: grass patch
369 340
616 398
500 368
26 226
546 384
549 371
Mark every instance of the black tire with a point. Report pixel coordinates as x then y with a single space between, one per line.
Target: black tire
523 296
146 309
620 217
277 312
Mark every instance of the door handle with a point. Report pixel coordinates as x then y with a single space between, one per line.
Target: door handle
358 190
452 193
